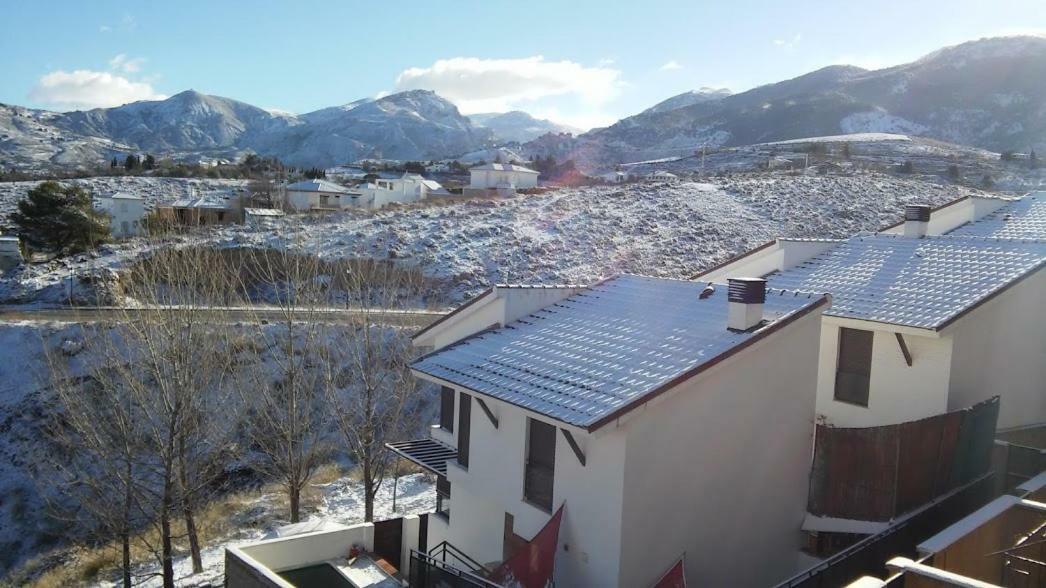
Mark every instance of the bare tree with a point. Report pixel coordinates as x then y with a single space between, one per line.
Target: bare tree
372 393
95 454
288 416
172 362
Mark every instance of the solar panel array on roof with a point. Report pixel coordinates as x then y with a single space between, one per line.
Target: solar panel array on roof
915 282
1021 219
606 347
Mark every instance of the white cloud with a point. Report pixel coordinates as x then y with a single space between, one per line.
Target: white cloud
671 65
104 29
126 64
493 85
789 44
89 89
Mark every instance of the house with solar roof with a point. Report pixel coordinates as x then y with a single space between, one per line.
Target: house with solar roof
652 411
934 314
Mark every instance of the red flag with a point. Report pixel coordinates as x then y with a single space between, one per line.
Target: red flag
533 564
675 577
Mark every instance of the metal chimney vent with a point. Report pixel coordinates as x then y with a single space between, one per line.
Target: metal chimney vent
747 290
917 212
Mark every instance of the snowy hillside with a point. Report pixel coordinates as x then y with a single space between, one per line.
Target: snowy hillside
571 235
517 126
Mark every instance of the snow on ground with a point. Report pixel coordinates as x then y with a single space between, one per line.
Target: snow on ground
849 138
342 502
153 190
569 235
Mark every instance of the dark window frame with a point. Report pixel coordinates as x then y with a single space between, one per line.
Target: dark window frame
539 470
443 497
853 366
446 408
464 429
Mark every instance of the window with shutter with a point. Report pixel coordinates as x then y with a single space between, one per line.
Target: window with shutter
446 409
854 366
541 464
464 429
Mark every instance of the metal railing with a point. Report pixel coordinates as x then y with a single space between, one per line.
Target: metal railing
432 570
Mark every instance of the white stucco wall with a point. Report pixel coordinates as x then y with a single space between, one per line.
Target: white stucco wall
589 541
897 392
719 468
1000 348
783 254
125 215
949 217
309 548
302 200
492 178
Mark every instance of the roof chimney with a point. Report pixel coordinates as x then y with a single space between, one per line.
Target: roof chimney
745 297
916 219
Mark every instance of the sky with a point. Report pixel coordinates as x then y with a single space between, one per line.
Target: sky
577 62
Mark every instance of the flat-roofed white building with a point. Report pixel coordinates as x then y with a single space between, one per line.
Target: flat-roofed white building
126 213
319 195
504 177
654 412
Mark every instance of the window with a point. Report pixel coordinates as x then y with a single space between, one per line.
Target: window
443 497
464 424
854 367
541 464
446 409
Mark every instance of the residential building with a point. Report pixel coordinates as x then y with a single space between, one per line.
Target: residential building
126 213
935 314
437 167
201 209
10 252
500 178
661 175
320 195
658 414
614 177
406 189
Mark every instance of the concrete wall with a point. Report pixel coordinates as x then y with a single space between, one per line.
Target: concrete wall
718 469
897 392
1000 348
305 200
493 486
309 548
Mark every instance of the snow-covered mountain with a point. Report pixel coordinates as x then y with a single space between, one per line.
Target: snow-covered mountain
517 126
989 93
689 98
417 124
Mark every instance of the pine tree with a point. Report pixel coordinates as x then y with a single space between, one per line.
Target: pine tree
149 162
60 219
114 164
130 162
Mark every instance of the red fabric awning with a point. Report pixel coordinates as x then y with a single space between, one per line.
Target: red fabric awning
675 577
532 565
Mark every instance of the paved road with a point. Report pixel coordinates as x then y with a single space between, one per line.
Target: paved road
399 318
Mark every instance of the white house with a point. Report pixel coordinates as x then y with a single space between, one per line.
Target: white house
126 213
931 315
664 417
614 177
661 175
504 178
320 195
10 252
406 189
437 167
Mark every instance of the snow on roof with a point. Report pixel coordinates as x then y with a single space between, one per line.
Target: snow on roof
207 200
503 167
923 283
317 186
1021 219
662 173
121 196
606 349
262 212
